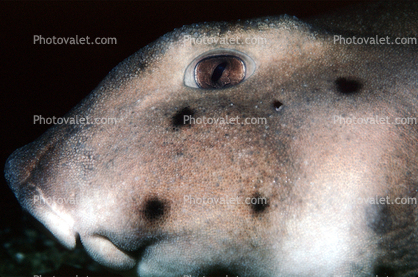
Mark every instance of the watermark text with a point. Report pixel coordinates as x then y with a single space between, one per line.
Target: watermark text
188 119
374 120
188 39
39 119
376 40
188 199
39 39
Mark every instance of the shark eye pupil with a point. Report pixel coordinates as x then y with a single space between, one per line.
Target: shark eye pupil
219 72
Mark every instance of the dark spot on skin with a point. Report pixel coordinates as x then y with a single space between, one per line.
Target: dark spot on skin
379 218
258 203
348 86
277 104
182 117
154 209
382 270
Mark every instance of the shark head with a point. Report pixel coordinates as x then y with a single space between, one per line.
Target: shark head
263 147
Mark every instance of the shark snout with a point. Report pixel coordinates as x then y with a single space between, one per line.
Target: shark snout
18 167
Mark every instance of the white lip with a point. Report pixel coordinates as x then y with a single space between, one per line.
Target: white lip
106 253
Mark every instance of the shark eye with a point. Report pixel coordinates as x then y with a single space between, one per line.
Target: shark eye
219 69
219 72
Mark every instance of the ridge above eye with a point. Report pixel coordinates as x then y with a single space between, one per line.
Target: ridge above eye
218 69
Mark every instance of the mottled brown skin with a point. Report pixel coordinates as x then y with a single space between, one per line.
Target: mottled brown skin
131 178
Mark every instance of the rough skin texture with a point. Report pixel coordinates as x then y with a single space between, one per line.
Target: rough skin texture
131 179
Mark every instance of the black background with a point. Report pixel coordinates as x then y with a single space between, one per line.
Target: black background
49 80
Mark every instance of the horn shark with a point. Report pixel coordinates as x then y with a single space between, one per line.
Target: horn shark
264 147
